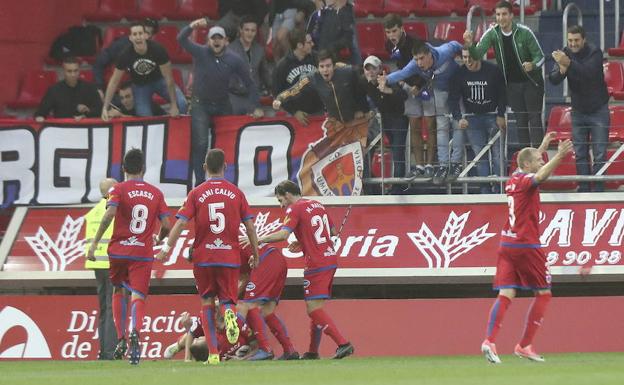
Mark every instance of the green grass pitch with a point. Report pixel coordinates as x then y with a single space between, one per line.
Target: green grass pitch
559 369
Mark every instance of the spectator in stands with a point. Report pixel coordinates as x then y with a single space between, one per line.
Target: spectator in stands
581 63
333 27
520 56
231 12
390 102
213 67
418 104
437 65
481 88
150 70
110 53
283 17
126 106
251 52
298 63
71 97
341 91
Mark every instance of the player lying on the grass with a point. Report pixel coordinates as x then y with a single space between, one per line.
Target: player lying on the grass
193 342
521 262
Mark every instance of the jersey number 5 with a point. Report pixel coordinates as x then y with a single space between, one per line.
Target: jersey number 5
214 215
320 223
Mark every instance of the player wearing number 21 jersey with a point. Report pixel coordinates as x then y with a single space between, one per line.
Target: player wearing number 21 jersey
309 221
521 263
136 206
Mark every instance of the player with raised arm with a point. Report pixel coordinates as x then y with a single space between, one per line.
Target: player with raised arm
217 207
136 206
521 263
310 223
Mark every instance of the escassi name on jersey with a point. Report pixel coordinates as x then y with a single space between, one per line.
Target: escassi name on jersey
140 193
218 191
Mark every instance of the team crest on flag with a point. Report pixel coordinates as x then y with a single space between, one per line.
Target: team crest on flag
340 172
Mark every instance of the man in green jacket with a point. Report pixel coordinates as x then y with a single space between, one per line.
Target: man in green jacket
520 57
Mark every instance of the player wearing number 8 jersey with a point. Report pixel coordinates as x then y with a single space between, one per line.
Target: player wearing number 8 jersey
310 223
521 263
136 207
218 207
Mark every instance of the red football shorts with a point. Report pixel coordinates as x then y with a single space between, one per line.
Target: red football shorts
131 274
267 281
521 268
217 281
318 285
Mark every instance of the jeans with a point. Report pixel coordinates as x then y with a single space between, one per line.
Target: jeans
143 96
525 100
590 128
444 124
395 127
201 115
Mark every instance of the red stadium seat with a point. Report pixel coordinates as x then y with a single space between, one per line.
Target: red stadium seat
566 167
405 7
371 37
86 75
618 51
417 29
616 131
200 35
615 168
560 121
167 36
113 33
113 10
376 165
194 9
487 5
177 77
444 7
363 8
614 77
156 9
450 30
33 87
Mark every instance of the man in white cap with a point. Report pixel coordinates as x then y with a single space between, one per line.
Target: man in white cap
213 66
390 102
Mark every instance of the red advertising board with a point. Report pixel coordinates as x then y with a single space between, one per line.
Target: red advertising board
388 233
65 327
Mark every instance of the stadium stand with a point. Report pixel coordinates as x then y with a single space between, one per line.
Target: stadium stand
372 40
191 9
405 7
33 86
113 10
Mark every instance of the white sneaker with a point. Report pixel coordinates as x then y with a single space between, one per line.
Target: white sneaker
171 351
489 351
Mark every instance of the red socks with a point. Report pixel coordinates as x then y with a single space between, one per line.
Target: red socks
279 331
120 315
208 324
534 318
256 322
324 321
315 337
497 312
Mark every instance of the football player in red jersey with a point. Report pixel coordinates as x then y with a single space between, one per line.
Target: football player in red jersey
136 207
521 263
310 223
218 207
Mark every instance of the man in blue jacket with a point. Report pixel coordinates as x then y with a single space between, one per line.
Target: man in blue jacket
581 63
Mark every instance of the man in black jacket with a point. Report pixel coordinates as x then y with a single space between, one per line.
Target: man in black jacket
581 63
390 102
340 90
71 97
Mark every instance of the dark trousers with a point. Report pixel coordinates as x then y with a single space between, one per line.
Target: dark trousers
590 129
525 100
395 127
106 325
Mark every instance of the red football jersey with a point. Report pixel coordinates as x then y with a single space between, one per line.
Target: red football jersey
140 206
310 222
218 208
263 250
226 348
523 201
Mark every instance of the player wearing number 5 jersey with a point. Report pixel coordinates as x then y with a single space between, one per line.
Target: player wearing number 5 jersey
136 207
218 207
308 220
521 263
